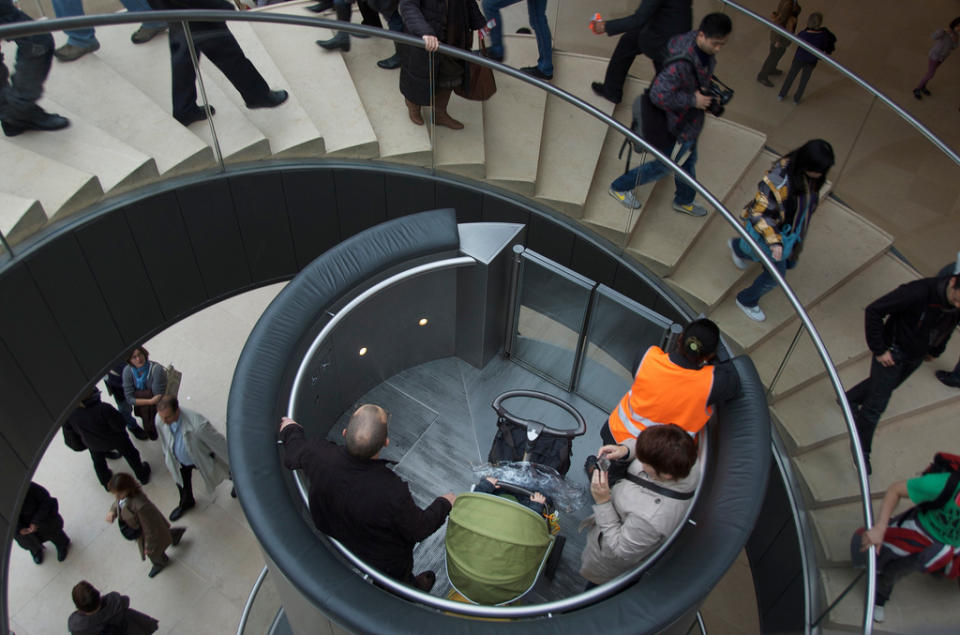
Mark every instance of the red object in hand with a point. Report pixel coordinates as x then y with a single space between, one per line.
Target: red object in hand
593 22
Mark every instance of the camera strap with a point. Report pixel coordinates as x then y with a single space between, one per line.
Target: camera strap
659 489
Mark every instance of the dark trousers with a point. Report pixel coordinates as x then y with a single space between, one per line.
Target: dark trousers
51 530
773 58
870 397
214 40
128 451
186 490
805 69
628 47
20 92
891 566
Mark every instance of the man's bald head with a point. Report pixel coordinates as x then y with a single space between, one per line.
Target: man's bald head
367 431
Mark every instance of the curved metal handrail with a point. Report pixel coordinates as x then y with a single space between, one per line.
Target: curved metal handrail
250 599
44 26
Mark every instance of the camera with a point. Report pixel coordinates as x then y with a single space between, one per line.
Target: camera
721 93
592 461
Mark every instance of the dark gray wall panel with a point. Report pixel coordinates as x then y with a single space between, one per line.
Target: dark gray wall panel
550 239
212 227
469 205
34 339
167 253
311 209
591 261
13 473
361 200
262 215
115 261
21 406
76 303
632 286
410 194
498 210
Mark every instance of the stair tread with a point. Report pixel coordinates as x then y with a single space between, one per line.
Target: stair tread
571 140
725 151
20 216
513 121
323 84
811 416
59 188
829 257
239 138
124 111
379 91
833 317
462 151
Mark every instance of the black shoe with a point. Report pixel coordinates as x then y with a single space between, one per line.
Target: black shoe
274 98
41 121
112 454
157 568
495 58
176 533
917 94
144 477
62 552
37 556
320 7
390 63
601 91
180 510
153 436
776 72
534 71
948 378
192 116
339 41
233 492
139 433
925 91
766 82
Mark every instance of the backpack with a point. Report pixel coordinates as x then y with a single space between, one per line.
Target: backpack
511 440
943 462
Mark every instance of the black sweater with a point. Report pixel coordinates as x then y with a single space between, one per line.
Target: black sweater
914 318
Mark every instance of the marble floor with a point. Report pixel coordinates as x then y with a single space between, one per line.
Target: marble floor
214 568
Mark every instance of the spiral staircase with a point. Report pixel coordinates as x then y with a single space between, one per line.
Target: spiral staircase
122 138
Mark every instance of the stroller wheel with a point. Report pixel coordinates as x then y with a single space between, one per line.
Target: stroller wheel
554 560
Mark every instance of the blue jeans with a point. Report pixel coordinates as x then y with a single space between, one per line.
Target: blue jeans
86 37
537 13
763 283
655 170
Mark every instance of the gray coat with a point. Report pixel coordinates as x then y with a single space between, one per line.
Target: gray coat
156 380
206 446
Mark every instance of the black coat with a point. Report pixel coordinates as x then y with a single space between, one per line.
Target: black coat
362 503
40 509
915 318
655 22
100 425
114 616
451 21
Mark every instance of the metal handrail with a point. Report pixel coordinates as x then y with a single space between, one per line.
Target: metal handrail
44 26
250 599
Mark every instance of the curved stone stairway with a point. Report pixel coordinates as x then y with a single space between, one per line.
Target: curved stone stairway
341 105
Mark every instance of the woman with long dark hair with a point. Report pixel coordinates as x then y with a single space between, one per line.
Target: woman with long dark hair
779 216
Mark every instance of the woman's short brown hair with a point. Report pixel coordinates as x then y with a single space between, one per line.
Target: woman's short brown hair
668 449
123 482
86 597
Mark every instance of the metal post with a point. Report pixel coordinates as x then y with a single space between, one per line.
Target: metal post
431 62
512 311
783 364
842 595
203 93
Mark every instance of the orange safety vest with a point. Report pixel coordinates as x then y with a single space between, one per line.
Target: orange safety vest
663 392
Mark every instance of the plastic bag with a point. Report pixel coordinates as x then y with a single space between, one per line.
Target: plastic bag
566 496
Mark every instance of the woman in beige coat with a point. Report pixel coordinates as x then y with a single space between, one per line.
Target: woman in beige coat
630 520
142 518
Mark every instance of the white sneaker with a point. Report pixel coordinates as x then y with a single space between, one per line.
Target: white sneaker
878 614
755 313
738 262
627 199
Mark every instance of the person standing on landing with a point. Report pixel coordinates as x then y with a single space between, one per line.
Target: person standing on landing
784 17
945 40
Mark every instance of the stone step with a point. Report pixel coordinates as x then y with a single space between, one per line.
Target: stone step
919 603
571 140
462 151
830 256
89 148
322 83
839 319
20 217
399 138
833 527
513 123
662 236
125 112
59 188
147 66
900 450
811 417
288 126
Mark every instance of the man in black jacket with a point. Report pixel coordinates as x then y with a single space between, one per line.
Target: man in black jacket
39 521
102 429
647 31
357 499
910 324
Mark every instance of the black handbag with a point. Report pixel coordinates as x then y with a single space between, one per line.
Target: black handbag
130 533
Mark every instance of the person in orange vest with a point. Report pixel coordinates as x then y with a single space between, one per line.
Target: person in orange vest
678 387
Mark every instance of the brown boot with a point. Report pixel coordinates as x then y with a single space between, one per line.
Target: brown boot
414 111
440 115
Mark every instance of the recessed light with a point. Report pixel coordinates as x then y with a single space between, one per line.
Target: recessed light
363 351
423 321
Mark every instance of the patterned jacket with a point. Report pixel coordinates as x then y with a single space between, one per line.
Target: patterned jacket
674 89
776 204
